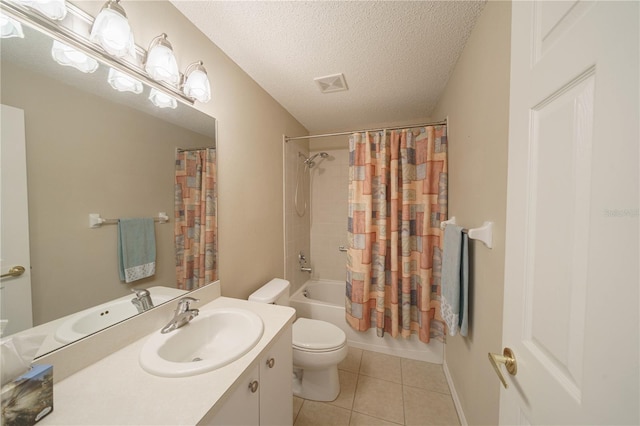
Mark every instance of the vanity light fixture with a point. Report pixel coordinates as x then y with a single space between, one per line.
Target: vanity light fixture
123 83
9 27
161 64
196 84
80 41
52 9
68 56
162 100
112 31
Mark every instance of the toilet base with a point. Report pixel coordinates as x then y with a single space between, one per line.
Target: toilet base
316 385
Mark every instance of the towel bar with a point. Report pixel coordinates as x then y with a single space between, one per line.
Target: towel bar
483 233
95 221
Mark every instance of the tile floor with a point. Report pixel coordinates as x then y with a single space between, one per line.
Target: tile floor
378 389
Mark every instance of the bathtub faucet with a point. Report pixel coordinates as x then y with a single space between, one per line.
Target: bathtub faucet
302 260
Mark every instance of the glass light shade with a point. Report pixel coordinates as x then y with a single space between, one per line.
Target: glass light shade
161 64
54 9
112 31
123 83
197 86
162 100
10 28
68 56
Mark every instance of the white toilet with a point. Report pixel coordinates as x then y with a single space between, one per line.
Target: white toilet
318 347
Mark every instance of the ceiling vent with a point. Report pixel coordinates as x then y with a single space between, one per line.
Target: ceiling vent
331 83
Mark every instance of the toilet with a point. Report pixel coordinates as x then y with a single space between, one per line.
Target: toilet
318 347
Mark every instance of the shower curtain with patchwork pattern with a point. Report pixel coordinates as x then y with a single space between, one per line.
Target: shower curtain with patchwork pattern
196 233
397 199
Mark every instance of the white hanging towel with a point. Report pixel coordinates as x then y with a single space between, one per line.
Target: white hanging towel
455 280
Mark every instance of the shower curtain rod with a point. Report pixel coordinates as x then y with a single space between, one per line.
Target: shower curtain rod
195 149
434 123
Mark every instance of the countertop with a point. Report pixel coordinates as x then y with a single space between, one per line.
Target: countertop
117 391
49 329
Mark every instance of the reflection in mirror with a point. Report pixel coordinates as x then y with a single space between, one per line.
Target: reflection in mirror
90 149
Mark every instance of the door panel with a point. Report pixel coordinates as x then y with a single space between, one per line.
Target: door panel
571 267
15 292
555 278
552 19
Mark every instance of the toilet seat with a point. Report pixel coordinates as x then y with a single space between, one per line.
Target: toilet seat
317 336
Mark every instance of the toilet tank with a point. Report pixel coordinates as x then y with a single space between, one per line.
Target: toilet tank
275 291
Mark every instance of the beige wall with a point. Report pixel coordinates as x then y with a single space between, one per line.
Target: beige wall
476 101
86 155
250 166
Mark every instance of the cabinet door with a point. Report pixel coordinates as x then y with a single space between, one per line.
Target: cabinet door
276 369
242 405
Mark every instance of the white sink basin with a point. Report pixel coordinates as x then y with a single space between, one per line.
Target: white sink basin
215 338
95 319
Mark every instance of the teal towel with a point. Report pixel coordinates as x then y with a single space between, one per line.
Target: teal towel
136 249
455 280
464 295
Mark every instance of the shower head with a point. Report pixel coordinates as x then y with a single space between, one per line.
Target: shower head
309 161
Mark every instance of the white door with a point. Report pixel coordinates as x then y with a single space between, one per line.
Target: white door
571 274
15 293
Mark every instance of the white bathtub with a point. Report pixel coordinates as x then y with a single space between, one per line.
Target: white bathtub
324 300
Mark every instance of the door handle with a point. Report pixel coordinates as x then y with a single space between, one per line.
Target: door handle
16 271
508 358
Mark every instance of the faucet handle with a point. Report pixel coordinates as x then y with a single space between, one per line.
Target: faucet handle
184 303
142 292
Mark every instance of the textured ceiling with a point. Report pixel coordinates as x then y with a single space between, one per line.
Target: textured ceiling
396 56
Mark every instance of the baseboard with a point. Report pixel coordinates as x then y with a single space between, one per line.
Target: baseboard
454 395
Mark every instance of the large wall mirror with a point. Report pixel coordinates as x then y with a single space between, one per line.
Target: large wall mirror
90 149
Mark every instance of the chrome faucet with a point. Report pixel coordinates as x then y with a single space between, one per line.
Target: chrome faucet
142 301
302 260
182 316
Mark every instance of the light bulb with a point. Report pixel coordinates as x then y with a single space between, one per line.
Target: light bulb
162 100
161 64
123 83
197 85
68 56
10 28
112 31
53 9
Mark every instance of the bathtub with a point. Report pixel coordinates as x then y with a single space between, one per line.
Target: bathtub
324 300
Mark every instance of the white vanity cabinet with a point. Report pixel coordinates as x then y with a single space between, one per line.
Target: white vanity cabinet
276 395
263 395
94 395
242 407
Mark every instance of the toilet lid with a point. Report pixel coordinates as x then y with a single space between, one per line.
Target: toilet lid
315 335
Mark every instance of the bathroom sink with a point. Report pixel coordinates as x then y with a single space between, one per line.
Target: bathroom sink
215 338
95 319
